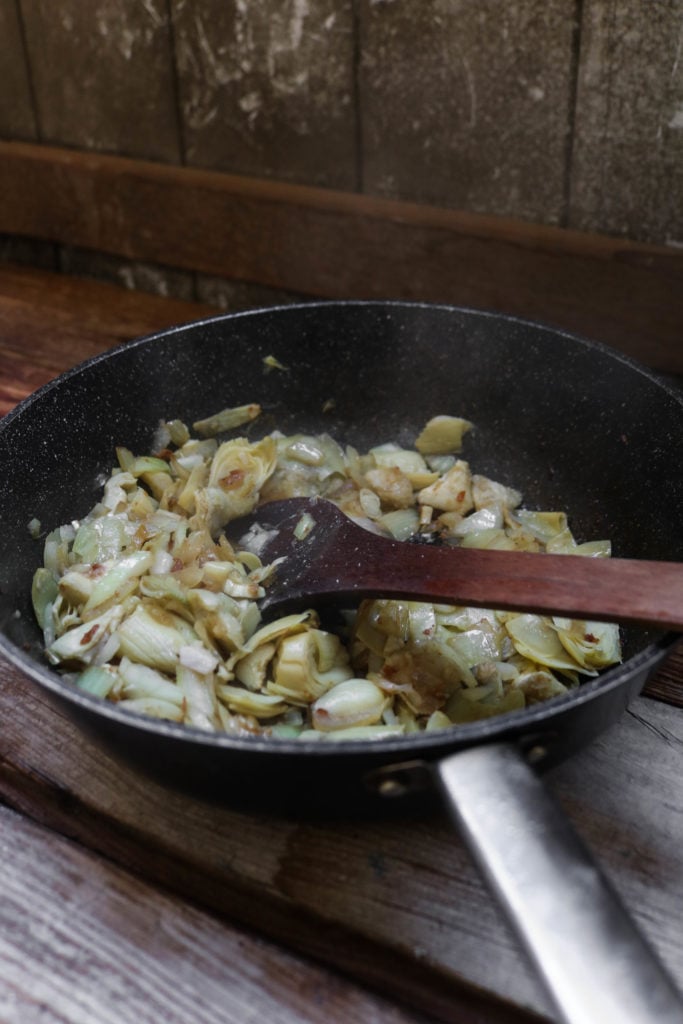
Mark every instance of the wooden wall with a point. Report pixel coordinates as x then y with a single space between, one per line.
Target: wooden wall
564 113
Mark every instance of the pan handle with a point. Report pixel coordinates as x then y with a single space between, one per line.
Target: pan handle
595 963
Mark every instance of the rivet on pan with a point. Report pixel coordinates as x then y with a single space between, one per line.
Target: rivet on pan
536 753
398 779
391 787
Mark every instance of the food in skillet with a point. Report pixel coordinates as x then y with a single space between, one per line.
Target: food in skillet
145 602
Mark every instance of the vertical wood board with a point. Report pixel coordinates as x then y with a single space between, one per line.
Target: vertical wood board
102 75
17 117
468 104
267 88
627 174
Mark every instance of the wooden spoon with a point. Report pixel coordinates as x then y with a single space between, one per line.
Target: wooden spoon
338 561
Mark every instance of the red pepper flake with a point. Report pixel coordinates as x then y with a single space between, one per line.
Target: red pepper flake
90 635
234 478
460 496
590 638
165 454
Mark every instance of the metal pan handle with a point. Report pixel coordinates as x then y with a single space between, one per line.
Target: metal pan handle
594 961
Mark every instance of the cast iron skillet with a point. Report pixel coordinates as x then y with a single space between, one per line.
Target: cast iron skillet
572 424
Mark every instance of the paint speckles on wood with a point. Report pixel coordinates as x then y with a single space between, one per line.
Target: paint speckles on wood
102 75
468 105
627 173
267 89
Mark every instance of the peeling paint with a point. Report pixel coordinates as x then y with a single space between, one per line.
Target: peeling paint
676 121
126 43
155 16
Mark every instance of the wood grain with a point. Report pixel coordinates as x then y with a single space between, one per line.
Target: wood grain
82 940
627 165
469 105
102 75
61 320
333 244
268 89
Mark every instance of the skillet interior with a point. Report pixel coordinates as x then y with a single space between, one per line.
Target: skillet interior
571 424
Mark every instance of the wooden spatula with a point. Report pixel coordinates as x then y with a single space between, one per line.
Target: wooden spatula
338 561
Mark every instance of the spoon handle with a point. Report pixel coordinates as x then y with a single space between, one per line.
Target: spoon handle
608 589
338 561
356 564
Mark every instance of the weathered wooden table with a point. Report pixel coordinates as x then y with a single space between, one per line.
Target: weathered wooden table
121 901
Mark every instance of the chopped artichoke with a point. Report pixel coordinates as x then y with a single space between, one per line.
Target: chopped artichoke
308 664
153 636
351 703
44 590
146 602
238 471
80 643
451 492
593 645
262 705
487 492
442 435
535 638
227 419
142 681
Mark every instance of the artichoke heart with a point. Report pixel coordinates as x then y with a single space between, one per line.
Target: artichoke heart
594 645
307 665
238 471
535 638
451 492
153 636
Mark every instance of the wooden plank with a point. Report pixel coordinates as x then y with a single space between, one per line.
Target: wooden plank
81 941
62 320
268 89
102 75
334 244
627 171
356 896
667 684
17 116
470 105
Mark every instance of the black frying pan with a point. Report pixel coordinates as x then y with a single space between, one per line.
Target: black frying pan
571 424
